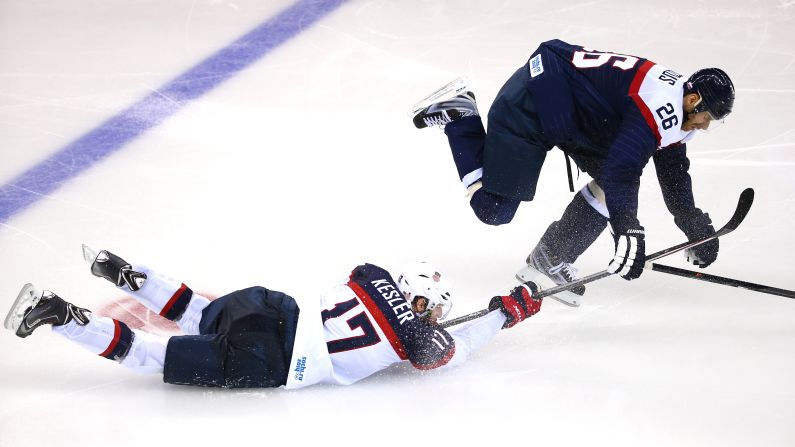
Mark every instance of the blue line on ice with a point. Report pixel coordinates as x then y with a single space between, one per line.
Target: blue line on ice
68 162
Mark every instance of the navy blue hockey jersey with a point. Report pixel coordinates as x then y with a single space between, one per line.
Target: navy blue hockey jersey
612 112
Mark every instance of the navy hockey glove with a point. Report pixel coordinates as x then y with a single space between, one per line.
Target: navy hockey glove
518 305
697 225
630 254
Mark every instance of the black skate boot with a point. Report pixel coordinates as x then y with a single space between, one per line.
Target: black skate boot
113 268
546 261
443 112
551 261
34 308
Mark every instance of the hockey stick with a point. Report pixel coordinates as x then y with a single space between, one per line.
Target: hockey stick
721 280
743 206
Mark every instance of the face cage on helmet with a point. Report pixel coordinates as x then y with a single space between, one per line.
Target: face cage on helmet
427 312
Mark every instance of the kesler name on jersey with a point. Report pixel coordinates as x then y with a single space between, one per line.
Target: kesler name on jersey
395 299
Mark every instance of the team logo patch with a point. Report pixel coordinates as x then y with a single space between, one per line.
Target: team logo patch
536 66
300 367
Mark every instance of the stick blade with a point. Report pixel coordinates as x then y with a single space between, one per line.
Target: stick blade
743 207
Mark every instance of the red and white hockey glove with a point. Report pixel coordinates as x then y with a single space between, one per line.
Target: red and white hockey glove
517 305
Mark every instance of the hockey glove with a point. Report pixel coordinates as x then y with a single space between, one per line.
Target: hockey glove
630 254
696 226
518 305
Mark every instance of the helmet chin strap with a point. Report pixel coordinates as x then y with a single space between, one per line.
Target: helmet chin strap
687 114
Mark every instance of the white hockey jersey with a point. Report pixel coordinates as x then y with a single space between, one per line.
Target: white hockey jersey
365 325
659 96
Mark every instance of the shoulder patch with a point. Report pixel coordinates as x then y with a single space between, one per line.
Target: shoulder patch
536 66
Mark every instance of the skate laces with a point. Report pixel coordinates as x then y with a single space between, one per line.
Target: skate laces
444 112
437 119
566 270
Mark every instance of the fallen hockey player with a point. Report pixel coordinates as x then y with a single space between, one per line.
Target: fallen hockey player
258 337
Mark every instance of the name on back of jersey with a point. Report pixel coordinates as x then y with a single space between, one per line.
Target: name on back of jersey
662 93
393 297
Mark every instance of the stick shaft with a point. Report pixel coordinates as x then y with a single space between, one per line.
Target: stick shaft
722 280
743 206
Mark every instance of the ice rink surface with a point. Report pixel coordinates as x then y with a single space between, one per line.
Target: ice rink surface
299 164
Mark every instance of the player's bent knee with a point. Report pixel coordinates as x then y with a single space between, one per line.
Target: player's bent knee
493 209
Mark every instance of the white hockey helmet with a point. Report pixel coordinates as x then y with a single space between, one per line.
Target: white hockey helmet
425 288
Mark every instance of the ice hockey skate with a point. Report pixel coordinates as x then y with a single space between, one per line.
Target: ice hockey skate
34 308
113 268
449 103
547 270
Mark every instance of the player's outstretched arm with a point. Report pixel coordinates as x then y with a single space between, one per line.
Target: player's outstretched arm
472 336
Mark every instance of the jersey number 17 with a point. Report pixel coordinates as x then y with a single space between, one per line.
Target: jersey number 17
369 336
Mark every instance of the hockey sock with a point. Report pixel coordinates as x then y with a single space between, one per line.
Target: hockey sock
171 299
467 138
578 228
189 322
114 340
103 336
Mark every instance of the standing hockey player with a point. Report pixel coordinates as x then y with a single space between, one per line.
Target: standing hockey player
608 112
257 337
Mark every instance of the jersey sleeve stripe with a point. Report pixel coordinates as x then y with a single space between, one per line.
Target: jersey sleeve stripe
381 320
642 107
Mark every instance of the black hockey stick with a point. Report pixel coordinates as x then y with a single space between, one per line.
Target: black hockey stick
721 280
743 206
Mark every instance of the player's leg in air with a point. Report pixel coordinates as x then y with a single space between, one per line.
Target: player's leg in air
107 337
162 295
243 339
103 336
499 168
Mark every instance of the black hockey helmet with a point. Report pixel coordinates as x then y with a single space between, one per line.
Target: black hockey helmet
716 91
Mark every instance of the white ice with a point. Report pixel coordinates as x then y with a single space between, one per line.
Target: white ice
305 164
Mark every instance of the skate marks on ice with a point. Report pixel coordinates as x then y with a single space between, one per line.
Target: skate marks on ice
113 134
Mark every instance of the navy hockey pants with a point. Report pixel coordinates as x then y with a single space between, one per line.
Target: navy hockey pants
513 149
246 341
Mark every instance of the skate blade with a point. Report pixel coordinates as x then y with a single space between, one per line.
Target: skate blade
28 297
450 90
89 255
543 282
